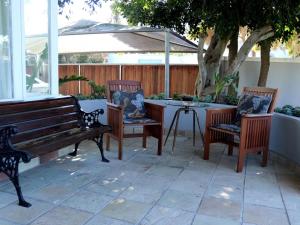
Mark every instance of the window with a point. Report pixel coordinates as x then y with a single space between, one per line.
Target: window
5 51
36 47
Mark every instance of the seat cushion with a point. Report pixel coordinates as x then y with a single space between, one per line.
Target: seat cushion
254 104
133 103
144 120
229 127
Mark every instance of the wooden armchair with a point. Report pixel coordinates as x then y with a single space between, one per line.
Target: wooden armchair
115 113
254 129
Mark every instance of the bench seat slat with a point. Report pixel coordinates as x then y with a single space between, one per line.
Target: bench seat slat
51 143
32 125
32 134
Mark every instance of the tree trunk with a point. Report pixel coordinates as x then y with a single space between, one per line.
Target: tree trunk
233 47
213 58
233 50
265 47
202 73
255 37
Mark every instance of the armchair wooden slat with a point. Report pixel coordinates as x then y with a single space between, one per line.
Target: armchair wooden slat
254 130
115 117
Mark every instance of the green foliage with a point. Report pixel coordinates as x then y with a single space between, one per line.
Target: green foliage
289 110
231 100
97 91
208 99
74 77
176 96
160 96
223 81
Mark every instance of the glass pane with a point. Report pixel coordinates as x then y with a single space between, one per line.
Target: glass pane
5 48
36 49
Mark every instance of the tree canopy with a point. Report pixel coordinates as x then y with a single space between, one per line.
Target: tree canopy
264 19
92 4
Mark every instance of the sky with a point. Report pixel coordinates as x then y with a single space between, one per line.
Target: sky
76 12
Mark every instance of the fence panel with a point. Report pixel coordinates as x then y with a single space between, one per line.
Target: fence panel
98 73
152 77
69 88
182 79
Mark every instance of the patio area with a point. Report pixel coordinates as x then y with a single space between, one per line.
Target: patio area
143 188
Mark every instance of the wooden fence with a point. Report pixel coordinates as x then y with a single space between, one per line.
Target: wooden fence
182 77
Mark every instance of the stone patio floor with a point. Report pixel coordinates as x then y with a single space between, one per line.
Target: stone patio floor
178 189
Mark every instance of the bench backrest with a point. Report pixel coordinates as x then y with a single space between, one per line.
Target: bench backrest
39 118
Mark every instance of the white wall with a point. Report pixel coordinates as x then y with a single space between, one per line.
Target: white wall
284 74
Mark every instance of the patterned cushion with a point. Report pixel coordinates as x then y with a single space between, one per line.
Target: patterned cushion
133 103
230 127
252 104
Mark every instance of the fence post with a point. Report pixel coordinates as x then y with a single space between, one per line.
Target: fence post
167 63
120 72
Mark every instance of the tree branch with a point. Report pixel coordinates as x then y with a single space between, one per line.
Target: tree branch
256 36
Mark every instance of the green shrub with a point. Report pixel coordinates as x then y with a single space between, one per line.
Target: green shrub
160 96
289 110
231 100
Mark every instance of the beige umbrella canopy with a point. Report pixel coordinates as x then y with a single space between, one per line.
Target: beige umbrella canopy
92 37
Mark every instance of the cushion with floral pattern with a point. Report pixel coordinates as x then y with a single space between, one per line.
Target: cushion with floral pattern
133 103
255 104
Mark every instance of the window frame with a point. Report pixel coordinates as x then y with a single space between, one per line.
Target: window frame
18 51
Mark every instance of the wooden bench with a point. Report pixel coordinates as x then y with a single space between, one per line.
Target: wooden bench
33 128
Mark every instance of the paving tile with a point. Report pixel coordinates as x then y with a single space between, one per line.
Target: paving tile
160 190
7 198
54 193
63 216
262 215
180 200
157 182
210 220
108 187
218 207
88 201
294 217
142 193
188 186
127 210
164 171
166 216
103 220
228 180
22 215
225 192
5 222
271 198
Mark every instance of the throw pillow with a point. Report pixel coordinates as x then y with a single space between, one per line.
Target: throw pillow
133 103
255 104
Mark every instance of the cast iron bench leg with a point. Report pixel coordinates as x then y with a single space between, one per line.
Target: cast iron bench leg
99 142
10 166
74 153
22 202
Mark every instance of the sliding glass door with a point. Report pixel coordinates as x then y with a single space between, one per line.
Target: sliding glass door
6 91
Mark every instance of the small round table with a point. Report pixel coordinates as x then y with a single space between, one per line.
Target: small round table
185 107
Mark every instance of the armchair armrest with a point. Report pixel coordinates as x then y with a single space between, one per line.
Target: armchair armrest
115 118
112 105
221 115
155 111
255 130
257 115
